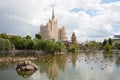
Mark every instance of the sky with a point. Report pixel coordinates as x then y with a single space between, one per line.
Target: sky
89 19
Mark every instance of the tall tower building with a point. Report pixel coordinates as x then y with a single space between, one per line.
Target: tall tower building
73 38
52 31
62 34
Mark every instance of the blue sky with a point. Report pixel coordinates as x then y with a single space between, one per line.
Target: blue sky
90 11
90 19
109 1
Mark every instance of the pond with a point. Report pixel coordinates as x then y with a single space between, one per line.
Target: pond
72 66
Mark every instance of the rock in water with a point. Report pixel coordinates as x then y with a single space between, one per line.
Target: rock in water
26 65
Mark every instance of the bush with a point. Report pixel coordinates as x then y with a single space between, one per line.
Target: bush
5 44
117 46
107 47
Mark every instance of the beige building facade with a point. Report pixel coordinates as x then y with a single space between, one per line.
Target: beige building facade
52 31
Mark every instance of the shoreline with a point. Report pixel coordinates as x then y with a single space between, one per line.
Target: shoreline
17 59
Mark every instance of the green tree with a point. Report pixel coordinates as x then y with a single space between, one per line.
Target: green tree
117 46
36 44
19 42
71 48
40 44
43 44
110 41
4 36
107 47
28 37
5 44
76 45
104 42
50 47
30 45
59 46
38 36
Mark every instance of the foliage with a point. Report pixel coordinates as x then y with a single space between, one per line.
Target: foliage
30 44
110 41
91 45
20 43
107 44
59 46
4 36
47 46
104 42
28 37
107 47
36 43
76 45
117 46
71 48
5 44
43 44
50 47
38 36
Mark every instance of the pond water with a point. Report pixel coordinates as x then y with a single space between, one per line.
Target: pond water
73 66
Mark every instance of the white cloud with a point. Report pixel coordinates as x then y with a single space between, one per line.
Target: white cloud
31 14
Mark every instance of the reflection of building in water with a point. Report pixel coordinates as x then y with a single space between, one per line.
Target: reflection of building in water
62 63
53 71
51 64
74 59
52 31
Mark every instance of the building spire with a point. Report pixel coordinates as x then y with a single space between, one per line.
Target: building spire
53 16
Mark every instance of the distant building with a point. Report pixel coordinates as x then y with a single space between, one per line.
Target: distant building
11 35
73 38
117 36
52 31
116 39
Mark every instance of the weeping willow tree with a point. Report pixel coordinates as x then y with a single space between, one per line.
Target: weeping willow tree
5 44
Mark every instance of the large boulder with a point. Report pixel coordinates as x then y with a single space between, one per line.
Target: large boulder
26 66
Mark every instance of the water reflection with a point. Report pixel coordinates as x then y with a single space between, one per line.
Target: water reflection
74 59
51 64
118 60
26 74
52 71
5 65
75 66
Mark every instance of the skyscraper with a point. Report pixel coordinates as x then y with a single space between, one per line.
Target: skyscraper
52 31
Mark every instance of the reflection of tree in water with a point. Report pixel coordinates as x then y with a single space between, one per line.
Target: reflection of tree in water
74 58
62 62
51 63
117 59
26 74
4 65
108 56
